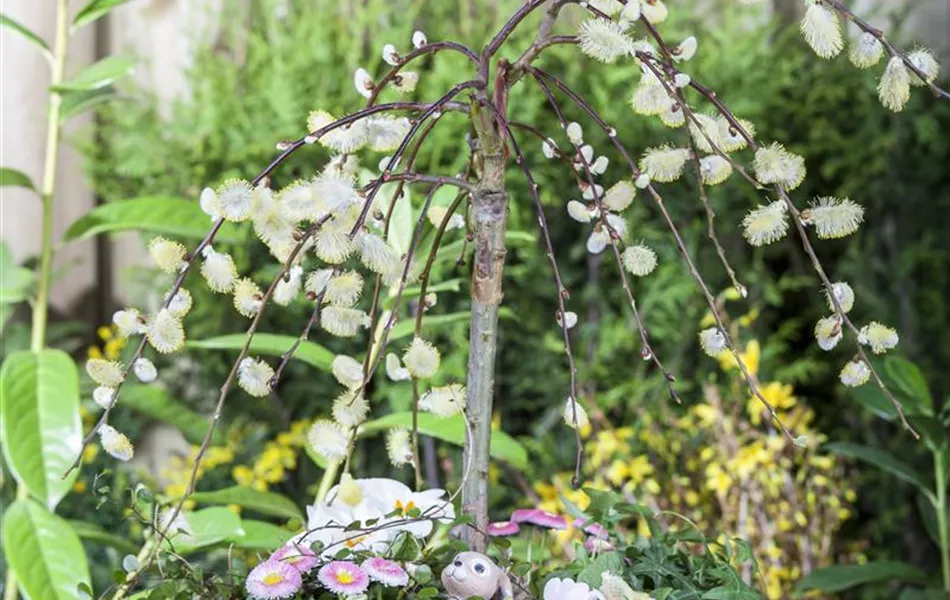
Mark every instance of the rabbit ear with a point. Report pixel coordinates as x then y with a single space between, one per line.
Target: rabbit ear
504 585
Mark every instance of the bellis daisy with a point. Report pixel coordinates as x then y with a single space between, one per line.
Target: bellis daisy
169 256
664 163
833 217
828 332
894 87
574 414
603 40
273 579
129 322
866 51
115 443
880 338
775 164
822 31
343 322
712 341
254 377
350 408
144 370
165 332
639 260
343 577
444 401
765 224
398 447
347 370
300 557
855 373
248 298
328 439
386 572
218 270
421 358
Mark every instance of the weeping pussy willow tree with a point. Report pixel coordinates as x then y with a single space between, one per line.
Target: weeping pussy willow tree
331 233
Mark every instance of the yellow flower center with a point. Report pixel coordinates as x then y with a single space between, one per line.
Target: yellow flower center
352 542
273 579
344 577
404 508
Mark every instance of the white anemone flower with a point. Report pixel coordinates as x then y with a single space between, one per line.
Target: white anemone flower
568 589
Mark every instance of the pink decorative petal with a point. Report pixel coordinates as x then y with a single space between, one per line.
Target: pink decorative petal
386 572
503 528
298 556
273 579
343 577
595 529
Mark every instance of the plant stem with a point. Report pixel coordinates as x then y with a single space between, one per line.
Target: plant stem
941 506
489 210
40 310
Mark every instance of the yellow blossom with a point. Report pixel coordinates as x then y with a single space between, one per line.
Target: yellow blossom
750 357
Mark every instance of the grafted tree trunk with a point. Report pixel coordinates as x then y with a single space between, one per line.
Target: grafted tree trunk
488 214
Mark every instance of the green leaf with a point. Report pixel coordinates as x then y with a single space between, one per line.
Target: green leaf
267 503
882 460
270 344
28 35
99 74
77 102
49 560
39 421
910 385
407 328
205 528
402 222
94 10
607 562
842 577
15 281
93 533
261 535
153 214
452 430
154 402
14 178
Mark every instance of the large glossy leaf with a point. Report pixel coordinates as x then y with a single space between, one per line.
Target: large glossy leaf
97 535
28 35
46 555
153 214
39 421
205 528
452 429
99 74
261 535
94 10
152 401
76 102
270 344
909 382
267 503
882 460
14 178
842 577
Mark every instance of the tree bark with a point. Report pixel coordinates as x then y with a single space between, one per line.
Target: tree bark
488 215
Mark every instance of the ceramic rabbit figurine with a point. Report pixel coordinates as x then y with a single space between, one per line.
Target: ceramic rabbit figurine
474 574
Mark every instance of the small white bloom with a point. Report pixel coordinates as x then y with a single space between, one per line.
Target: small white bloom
706 134
686 50
569 320
843 294
775 164
298 201
599 166
828 332
681 80
399 447
180 303
589 193
335 191
597 240
444 401
574 414
385 132
608 7
604 40
115 443
575 133
208 201
390 55
631 11
347 370
346 139
363 82
765 224
287 289
329 440
406 82
894 88
866 51
350 409
104 396
145 370
344 289
880 338
714 169
822 31
333 247
218 270
235 199
343 322
169 256
673 116
247 297
649 97
419 39
833 217
421 358
639 260
394 369
712 341
165 332
129 322
317 281
549 148
664 163
619 196
855 373
927 64
579 211
654 11
254 377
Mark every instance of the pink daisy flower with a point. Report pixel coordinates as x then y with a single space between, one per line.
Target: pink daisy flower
298 556
343 577
595 529
536 516
503 528
273 579
385 571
